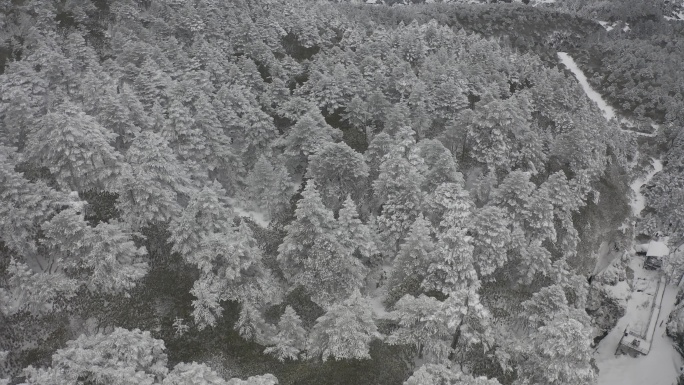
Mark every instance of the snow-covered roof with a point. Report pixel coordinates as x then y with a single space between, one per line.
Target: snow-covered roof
657 249
641 248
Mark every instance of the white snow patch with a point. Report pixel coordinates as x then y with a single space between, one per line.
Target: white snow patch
378 307
606 25
569 62
639 201
676 16
620 291
258 217
626 28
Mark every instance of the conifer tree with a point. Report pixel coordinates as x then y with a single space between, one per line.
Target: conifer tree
36 293
122 357
398 187
345 331
104 257
193 373
205 214
354 235
152 84
421 327
76 149
269 186
312 221
410 266
452 267
441 166
27 205
339 171
308 135
252 326
291 337
432 374
219 156
491 238
153 182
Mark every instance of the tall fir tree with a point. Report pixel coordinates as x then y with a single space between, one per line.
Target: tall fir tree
291 338
345 331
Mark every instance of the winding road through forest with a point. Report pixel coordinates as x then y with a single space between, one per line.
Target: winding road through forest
661 365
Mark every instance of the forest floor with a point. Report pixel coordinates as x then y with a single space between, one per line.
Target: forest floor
661 365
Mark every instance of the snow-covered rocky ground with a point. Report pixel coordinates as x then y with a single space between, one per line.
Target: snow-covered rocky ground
661 365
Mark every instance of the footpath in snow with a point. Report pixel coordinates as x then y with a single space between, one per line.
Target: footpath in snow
606 109
661 365
569 62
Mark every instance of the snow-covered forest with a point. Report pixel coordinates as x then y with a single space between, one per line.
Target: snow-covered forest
259 192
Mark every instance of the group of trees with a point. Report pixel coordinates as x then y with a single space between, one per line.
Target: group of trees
453 162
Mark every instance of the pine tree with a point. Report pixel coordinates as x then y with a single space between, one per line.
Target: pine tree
104 257
27 205
374 155
421 327
345 331
331 273
339 171
115 115
441 166
559 353
452 267
291 337
209 290
449 205
190 374
205 214
252 326
312 221
219 156
398 187
126 357
36 293
76 149
153 183
152 84
122 357
243 120
268 186
491 238
113 263
411 263
231 269
439 374
266 379
354 235
186 140
357 114
308 135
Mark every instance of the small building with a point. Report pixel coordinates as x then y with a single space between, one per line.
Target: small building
654 255
633 345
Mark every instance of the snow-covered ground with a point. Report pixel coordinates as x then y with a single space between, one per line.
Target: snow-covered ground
659 367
